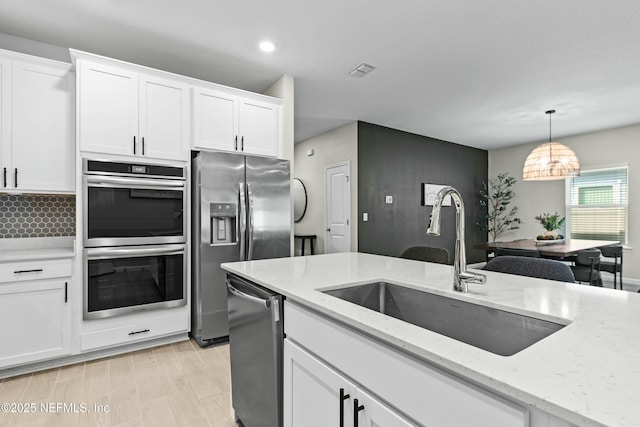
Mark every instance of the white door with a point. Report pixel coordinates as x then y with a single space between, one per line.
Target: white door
108 109
338 204
164 119
215 120
43 144
258 128
373 413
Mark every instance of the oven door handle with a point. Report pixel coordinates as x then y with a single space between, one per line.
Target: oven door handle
135 251
134 182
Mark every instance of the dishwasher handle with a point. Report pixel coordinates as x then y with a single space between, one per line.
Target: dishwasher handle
236 292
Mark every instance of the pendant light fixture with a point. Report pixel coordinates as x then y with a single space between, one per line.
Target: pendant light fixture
550 161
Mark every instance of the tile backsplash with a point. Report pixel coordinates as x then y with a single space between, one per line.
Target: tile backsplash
37 216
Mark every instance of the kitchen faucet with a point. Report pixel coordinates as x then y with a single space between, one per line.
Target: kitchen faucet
461 277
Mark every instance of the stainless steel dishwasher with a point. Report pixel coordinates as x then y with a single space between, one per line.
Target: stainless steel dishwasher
256 333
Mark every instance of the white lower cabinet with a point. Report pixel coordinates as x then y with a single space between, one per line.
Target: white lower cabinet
323 356
316 395
122 330
35 311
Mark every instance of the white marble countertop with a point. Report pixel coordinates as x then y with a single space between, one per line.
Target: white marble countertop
588 373
12 250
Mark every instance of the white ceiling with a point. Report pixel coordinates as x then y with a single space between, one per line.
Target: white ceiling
478 73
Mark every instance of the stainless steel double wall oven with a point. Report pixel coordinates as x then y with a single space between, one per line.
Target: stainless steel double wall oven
134 229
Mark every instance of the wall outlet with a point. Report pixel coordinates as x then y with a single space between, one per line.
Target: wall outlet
365 216
388 199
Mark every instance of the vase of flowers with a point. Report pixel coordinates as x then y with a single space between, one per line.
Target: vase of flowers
551 223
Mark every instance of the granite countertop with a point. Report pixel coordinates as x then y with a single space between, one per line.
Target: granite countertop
12 250
587 373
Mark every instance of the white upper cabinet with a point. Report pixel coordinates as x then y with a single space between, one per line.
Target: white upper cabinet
121 111
36 120
215 120
107 109
164 119
5 113
258 127
235 123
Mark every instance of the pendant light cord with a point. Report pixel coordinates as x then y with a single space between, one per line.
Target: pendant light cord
550 112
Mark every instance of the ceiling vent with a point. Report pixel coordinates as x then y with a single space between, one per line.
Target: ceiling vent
362 70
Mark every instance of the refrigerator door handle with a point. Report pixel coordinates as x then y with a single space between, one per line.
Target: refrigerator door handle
251 223
243 221
248 297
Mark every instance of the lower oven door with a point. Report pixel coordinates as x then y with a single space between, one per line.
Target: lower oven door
121 280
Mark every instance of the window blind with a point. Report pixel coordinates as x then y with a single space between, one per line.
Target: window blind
597 204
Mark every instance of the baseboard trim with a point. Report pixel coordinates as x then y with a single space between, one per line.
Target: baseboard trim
88 356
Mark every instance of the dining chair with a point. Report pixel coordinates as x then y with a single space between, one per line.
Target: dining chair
587 267
531 267
517 252
427 254
614 267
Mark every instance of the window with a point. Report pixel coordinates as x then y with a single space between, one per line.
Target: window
597 205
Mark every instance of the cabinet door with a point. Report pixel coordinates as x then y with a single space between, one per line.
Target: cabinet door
312 391
36 321
5 117
376 414
258 127
107 109
215 120
164 119
42 136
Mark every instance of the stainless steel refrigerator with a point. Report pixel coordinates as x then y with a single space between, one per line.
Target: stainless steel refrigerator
241 211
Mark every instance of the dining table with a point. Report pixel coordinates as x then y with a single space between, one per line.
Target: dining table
551 248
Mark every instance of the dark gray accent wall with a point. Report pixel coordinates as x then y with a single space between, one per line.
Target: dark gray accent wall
396 163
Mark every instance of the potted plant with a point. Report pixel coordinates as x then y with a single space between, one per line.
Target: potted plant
497 197
551 223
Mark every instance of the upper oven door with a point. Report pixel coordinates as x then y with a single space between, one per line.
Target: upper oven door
133 211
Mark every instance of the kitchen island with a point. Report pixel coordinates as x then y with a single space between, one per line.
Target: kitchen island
587 373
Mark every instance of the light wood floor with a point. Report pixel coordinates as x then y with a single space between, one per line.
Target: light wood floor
173 385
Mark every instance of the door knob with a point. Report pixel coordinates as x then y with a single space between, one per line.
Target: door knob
328 229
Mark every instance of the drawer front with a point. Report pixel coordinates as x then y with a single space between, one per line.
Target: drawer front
167 323
424 393
34 270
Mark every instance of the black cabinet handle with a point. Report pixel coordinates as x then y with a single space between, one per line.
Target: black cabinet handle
143 145
343 397
242 144
139 332
236 142
15 177
356 408
36 270
4 177
66 299
134 145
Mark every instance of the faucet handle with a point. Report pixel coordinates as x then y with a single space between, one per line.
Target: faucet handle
469 277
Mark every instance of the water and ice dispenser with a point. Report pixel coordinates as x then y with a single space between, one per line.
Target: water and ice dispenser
223 223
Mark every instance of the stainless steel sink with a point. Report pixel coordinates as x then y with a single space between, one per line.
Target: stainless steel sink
498 331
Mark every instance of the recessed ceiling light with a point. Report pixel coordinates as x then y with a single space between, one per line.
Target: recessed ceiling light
267 46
